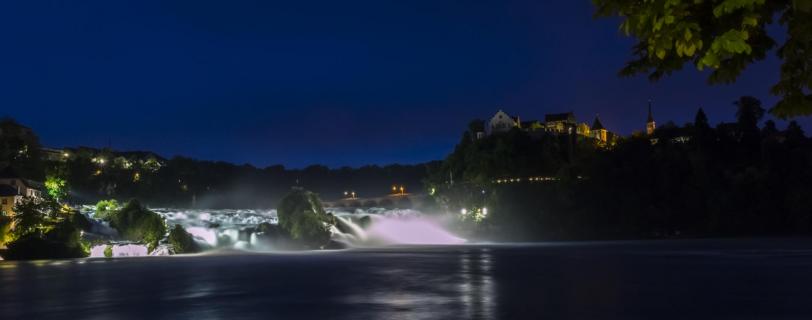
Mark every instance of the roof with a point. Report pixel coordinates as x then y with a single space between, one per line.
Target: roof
597 125
551 117
8 191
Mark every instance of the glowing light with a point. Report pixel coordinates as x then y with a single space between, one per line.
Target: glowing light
464 211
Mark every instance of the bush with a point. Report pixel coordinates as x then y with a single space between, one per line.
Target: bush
61 242
105 208
182 241
108 252
135 223
5 229
302 216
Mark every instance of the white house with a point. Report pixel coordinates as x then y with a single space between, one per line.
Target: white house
502 122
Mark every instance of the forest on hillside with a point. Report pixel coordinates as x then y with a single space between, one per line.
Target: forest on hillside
92 174
733 179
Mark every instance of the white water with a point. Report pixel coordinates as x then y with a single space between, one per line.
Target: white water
234 229
394 227
128 250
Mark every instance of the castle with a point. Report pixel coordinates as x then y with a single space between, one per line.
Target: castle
558 124
554 123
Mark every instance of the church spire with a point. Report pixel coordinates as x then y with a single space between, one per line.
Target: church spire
650 124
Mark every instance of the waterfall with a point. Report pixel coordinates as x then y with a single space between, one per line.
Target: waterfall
236 229
392 227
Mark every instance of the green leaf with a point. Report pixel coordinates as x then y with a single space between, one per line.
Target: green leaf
661 53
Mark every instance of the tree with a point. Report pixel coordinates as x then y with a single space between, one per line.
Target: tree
701 120
57 187
29 217
723 35
769 129
794 133
749 113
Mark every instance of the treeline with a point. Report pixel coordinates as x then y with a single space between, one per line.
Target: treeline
734 179
96 174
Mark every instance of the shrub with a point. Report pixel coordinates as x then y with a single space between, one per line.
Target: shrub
182 241
134 222
302 215
62 241
108 252
105 208
5 229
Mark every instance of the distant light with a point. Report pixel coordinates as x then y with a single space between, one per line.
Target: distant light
464 211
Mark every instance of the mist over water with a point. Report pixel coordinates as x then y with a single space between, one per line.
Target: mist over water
219 228
398 226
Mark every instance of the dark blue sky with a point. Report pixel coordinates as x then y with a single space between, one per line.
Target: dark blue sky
331 82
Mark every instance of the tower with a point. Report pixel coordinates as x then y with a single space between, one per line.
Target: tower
598 131
650 124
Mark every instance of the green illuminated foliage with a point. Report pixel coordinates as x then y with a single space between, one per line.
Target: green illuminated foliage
105 208
57 187
724 36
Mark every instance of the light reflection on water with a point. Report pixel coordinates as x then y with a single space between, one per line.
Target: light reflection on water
477 291
586 281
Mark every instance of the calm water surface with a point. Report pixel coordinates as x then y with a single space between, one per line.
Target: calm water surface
689 279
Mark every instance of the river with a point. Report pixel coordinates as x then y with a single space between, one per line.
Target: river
684 279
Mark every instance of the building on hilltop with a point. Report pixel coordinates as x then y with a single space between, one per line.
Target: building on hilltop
13 188
51 154
554 123
502 122
559 122
598 131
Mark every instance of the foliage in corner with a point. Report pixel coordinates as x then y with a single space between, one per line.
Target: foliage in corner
722 35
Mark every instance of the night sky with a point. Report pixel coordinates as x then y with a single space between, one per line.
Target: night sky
329 82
